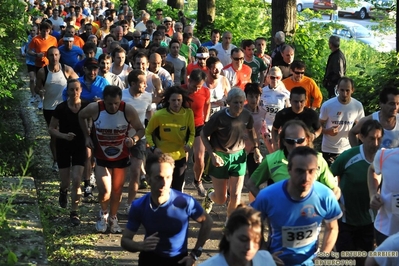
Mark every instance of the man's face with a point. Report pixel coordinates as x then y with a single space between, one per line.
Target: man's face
161 179
74 90
194 86
345 91
237 60
90 54
136 36
260 46
119 59
105 65
295 136
55 13
372 141
125 28
150 27
168 25
178 28
91 73
227 38
215 70
175 49
112 103
155 64
163 57
303 173
159 15
119 33
89 29
298 102
249 51
140 85
53 56
70 31
253 100
215 37
141 63
202 61
288 55
68 45
145 41
157 39
236 105
391 107
44 32
298 74
212 54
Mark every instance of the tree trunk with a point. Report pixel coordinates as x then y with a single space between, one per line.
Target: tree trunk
206 13
176 4
143 4
283 17
397 27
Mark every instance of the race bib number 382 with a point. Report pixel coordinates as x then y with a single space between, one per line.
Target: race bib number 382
299 236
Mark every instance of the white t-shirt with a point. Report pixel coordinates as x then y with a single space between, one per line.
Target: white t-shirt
390 244
261 258
342 115
56 23
387 220
142 104
272 101
224 55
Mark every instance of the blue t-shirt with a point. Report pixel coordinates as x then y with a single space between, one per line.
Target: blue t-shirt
78 67
295 225
96 89
71 57
208 44
170 220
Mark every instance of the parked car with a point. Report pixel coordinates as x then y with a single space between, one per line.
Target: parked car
383 8
302 4
352 31
362 9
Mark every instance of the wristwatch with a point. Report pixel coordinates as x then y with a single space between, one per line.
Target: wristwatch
196 253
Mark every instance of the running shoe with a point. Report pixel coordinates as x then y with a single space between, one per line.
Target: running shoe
102 222
93 182
128 206
75 221
88 193
200 188
40 104
63 198
144 184
207 203
55 167
115 228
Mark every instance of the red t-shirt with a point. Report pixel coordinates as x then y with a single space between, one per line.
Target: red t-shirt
193 66
200 98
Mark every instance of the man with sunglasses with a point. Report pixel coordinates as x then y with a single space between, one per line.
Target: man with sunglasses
237 73
274 166
297 111
338 115
296 208
201 56
298 79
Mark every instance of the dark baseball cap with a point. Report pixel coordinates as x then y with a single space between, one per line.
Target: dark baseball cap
91 63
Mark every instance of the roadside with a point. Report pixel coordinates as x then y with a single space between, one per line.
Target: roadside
82 245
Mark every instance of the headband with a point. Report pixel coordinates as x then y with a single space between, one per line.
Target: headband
68 39
202 55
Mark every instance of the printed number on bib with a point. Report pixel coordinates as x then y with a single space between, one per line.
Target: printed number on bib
395 203
271 109
299 236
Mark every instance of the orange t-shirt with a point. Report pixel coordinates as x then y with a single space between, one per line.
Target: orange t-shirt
238 78
76 41
313 93
40 45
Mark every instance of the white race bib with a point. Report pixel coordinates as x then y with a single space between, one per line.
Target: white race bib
299 236
395 203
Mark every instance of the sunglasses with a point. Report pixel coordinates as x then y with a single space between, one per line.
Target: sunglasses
273 77
238 58
299 73
137 37
293 141
199 58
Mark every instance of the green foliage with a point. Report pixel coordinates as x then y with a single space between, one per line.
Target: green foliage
371 70
13 20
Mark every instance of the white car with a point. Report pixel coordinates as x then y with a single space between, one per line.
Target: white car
361 10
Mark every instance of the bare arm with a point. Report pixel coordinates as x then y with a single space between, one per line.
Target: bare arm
330 236
87 113
253 137
373 183
251 186
127 242
70 73
216 160
353 139
133 118
207 110
156 81
275 138
53 130
332 131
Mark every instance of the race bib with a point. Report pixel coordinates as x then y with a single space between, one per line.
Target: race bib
395 203
299 236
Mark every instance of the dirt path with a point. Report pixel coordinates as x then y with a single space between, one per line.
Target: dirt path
82 245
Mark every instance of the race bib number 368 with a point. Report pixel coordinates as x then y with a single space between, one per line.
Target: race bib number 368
299 236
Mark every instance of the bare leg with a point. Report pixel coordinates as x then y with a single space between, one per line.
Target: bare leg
235 188
220 194
135 172
118 179
103 178
199 154
76 192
